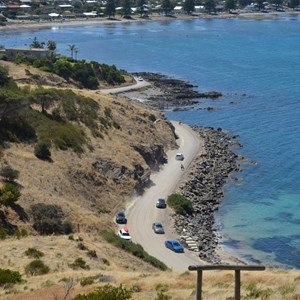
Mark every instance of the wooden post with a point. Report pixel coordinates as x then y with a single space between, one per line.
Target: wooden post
199 285
236 268
237 287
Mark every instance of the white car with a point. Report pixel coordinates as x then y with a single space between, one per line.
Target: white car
140 78
124 234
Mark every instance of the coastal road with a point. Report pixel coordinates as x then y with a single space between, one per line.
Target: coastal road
138 85
142 212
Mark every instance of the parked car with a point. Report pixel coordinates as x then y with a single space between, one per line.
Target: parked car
158 228
124 234
120 218
161 203
174 246
179 156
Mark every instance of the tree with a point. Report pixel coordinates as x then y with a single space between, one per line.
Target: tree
189 6
110 8
72 49
260 4
230 4
166 7
4 78
76 52
210 5
141 7
44 97
126 8
36 44
51 45
9 173
293 3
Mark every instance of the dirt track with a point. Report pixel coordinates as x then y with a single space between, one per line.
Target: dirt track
142 212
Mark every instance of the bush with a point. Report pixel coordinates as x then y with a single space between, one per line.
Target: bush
9 193
92 254
9 174
36 267
34 253
3 233
180 204
107 292
8 276
135 249
79 263
86 281
49 219
42 151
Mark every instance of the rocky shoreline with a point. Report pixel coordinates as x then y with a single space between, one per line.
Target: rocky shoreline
172 92
204 180
203 186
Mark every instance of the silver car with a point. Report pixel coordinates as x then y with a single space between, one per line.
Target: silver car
158 228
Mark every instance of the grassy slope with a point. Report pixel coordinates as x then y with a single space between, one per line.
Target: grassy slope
91 201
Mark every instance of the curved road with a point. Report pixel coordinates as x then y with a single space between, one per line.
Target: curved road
142 212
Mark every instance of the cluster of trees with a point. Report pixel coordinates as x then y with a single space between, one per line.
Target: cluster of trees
60 127
88 74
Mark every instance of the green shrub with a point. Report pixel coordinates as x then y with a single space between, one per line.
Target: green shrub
49 219
135 249
34 253
92 254
9 277
36 267
86 281
42 151
3 233
81 246
162 296
79 263
180 204
20 233
9 193
107 292
9 174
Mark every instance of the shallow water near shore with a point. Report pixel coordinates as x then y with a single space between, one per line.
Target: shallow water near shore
256 65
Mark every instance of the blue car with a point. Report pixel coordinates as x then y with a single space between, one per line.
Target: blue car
174 246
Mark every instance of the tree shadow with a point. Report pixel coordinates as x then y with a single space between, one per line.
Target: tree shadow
20 211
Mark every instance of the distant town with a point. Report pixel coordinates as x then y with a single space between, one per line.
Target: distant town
60 10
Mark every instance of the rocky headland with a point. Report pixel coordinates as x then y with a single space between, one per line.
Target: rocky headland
166 91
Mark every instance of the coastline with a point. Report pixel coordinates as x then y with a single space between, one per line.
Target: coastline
203 180
28 25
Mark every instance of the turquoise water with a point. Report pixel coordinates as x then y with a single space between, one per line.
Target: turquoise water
256 64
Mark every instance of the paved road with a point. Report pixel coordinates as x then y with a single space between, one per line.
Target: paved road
142 212
137 85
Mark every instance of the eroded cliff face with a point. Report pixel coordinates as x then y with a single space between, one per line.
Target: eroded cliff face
90 187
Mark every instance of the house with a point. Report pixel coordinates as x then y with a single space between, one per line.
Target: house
12 53
178 9
200 8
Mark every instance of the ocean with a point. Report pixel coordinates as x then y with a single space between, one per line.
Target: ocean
256 65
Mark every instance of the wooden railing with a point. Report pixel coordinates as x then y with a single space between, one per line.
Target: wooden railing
237 269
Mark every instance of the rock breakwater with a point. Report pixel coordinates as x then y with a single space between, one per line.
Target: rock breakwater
203 186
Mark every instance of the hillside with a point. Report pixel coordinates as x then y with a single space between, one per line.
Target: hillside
95 168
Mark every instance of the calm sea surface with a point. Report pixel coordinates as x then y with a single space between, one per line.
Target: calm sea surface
256 64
